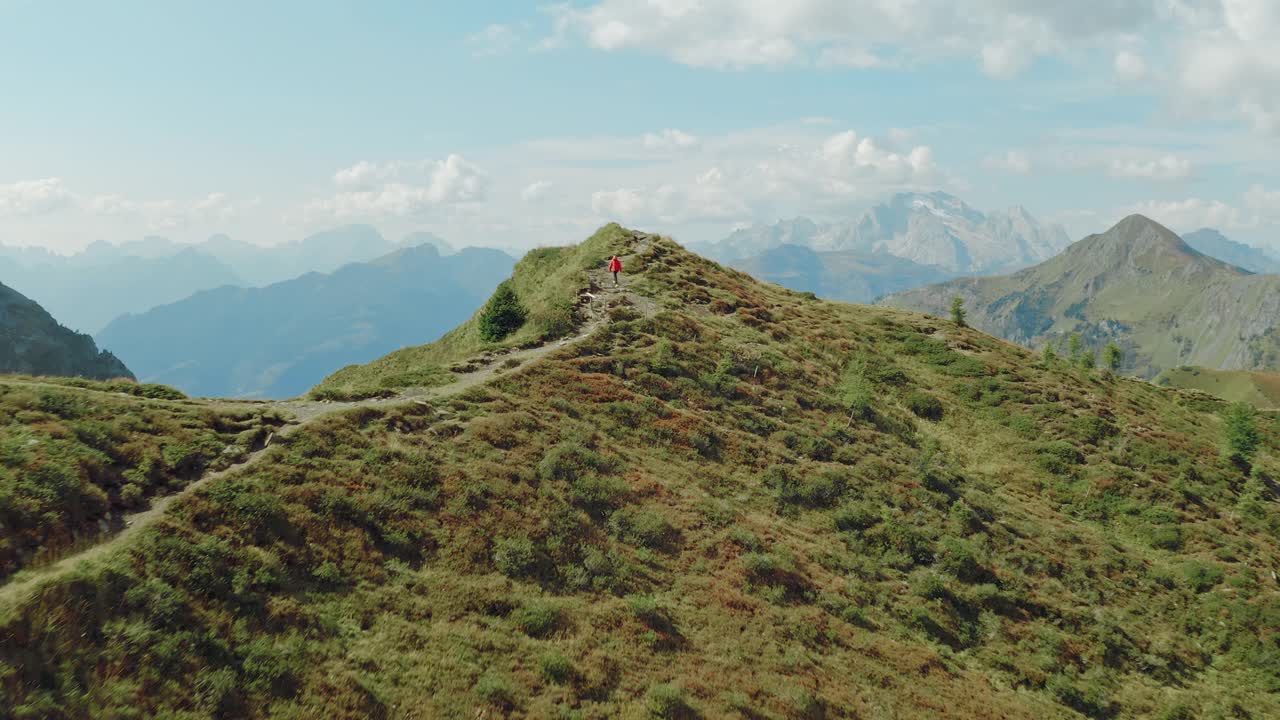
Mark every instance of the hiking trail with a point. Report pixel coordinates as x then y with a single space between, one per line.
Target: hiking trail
593 307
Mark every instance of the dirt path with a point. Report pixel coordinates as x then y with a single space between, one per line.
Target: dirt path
594 305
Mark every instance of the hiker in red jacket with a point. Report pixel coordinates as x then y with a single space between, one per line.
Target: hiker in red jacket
615 267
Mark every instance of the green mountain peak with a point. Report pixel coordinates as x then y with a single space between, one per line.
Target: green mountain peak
692 494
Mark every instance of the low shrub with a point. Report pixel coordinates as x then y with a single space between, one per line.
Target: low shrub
925 406
516 557
821 490
1091 429
537 619
495 690
597 494
1058 458
1202 576
668 702
644 528
857 517
571 461
556 667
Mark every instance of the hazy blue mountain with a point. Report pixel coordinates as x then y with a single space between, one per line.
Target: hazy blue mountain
33 343
426 238
105 280
322 252
846 276
1216 245
752 241
280 340
929 229
86 291
22 256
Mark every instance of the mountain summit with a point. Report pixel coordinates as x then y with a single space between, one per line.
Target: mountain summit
930 229
695 495
1139 285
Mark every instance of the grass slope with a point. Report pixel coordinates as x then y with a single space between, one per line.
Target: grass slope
546 281
751 504
75 456
1260 389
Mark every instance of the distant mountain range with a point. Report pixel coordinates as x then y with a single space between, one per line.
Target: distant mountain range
1215 245
33 343
913 239
848 276
93 287
279 340
1139 285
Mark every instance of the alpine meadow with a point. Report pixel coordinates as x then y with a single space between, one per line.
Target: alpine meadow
720 497
640 359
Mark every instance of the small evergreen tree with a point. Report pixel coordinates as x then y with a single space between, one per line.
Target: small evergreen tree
1074 346
958 313
1086 360
857 394
1050 355
1113 356
1242 431
502 315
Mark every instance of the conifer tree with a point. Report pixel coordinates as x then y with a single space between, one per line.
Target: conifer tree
1050 355
958 313
1242 431
1113 356
502 315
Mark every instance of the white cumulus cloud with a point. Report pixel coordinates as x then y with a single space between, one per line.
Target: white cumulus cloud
1005 36
1014 162
535 191
1192 213
400 189
363 174
669 139
28 198
1169 167
495 39
1130 66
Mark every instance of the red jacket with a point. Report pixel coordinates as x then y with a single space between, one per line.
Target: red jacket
615 265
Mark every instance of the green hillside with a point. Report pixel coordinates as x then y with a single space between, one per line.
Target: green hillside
1137 285
1260 389
548 281
32 342
76 457
721 499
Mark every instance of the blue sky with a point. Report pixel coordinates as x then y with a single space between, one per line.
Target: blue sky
512 124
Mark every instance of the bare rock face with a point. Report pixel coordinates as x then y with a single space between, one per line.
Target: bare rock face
930 229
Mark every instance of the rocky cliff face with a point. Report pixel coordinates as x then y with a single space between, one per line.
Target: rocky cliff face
929 229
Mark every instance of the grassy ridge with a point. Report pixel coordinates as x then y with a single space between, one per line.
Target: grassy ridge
547 282
753 504
1260 389
75 455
